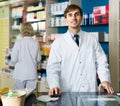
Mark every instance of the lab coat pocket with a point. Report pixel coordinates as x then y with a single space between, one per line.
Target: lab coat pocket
85 87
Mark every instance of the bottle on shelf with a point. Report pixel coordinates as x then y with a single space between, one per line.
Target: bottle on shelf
43 78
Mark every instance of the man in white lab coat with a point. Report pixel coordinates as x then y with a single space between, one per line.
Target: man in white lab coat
72 67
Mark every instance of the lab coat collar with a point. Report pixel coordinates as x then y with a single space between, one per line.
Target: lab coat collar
72 35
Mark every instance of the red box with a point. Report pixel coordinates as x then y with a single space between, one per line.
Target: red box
101 14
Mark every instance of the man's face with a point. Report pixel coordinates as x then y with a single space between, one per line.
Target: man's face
73 19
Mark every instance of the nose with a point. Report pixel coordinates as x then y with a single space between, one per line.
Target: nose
74 16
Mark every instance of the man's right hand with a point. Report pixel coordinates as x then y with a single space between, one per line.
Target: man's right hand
54 91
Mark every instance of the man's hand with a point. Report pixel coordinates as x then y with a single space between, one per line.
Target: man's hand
106 85
54 91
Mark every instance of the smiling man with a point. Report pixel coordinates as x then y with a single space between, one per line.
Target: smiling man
72 67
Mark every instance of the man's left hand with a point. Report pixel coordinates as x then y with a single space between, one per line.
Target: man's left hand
106 85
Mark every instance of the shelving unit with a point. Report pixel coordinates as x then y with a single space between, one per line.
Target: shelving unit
16 13
57 14
37 8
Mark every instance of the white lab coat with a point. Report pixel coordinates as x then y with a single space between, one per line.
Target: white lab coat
73 68
25 55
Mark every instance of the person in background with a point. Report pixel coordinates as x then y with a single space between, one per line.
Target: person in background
75 58
24 57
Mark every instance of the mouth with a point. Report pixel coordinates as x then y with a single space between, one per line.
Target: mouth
74 22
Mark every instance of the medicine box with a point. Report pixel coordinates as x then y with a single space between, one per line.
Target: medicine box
101 14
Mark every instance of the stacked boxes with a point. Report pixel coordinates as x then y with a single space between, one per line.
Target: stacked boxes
101 36
101 14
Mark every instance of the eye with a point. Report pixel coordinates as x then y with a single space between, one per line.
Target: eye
69 15
77 14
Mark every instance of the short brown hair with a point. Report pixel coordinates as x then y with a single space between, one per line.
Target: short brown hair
71 8
27 29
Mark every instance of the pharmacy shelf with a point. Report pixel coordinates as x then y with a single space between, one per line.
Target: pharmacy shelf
33 8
